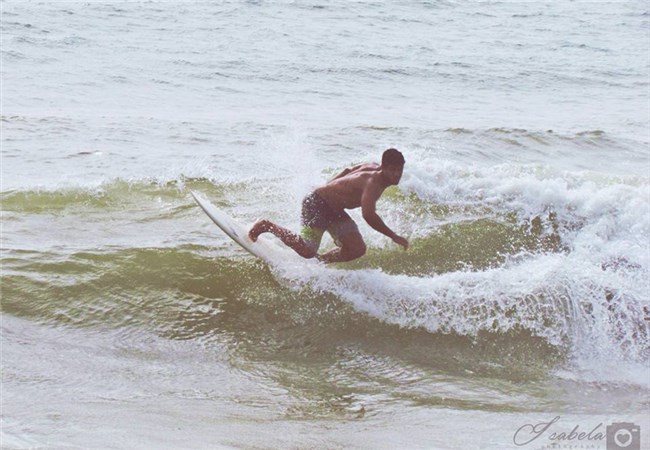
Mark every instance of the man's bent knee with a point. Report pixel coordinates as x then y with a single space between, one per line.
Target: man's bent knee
354 251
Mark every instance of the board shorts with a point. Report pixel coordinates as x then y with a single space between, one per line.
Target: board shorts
317 217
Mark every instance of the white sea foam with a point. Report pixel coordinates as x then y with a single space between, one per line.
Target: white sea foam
588 299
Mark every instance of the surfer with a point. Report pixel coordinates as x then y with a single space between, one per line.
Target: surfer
324 210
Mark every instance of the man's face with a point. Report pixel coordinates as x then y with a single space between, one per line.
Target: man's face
393 173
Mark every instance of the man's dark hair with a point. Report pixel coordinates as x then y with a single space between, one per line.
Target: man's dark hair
392 157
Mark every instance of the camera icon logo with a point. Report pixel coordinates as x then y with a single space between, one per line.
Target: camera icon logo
623 436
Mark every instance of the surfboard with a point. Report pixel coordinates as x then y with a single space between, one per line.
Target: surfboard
263 248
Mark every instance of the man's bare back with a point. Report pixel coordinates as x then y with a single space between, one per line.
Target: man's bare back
345 190
324 210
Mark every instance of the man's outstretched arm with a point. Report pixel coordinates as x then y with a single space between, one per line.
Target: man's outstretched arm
368 209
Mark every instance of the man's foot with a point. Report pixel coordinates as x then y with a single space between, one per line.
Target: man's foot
259 227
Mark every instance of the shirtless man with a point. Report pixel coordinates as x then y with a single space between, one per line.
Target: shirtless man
324 210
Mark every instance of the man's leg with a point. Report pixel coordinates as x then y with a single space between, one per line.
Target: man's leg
350 243
290 239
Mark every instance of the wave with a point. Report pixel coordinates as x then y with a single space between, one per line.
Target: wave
506 251
537 309
116 193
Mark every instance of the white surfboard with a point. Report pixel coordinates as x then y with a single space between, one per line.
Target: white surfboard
263 248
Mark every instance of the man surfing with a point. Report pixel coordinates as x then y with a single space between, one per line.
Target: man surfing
324 210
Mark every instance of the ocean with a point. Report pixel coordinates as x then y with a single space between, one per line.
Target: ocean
518 318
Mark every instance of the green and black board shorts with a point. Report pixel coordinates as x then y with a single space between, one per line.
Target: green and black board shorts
317 217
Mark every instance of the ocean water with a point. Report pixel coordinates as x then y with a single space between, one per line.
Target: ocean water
130 321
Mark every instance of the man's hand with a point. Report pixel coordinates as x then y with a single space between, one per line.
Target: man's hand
401 241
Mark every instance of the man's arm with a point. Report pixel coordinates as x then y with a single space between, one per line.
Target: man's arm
368 209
